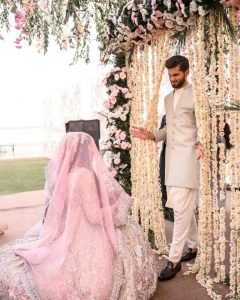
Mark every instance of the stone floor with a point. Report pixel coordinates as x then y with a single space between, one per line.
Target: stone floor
23 210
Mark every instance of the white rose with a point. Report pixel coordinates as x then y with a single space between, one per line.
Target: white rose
116 155
120 109
179 21
169 24
193 6
109 145
117 161
117 114
201 11
123 117
169 16
120 37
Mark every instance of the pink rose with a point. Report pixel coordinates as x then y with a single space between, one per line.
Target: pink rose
130 4
123 135
34 5
115 93
19 14
116 77
154 2
158 13
124 90
117 135
128 95
106 57
18 26
132 35
106 104
113 100
123 117
124 145
122 75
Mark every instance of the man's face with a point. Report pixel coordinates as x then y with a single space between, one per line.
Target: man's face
177 77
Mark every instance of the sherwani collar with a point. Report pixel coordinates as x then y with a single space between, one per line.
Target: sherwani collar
188 86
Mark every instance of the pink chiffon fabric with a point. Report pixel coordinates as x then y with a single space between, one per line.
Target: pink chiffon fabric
75 254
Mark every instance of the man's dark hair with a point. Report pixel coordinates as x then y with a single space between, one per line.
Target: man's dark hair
178 60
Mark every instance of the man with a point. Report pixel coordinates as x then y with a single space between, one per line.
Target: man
182 165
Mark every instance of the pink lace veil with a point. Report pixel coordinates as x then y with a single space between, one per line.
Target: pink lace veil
75 254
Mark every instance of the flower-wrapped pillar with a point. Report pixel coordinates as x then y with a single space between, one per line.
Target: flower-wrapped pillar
145 70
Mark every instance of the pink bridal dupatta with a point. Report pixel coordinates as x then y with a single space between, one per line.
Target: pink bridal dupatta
75 254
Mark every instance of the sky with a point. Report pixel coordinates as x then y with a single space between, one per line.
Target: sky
28 78
35 87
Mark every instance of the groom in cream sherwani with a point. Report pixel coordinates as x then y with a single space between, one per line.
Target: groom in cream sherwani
182 163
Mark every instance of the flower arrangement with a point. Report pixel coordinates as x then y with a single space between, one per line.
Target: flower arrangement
117 106
140 21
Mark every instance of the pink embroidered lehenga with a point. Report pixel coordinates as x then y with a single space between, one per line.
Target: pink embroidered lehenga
88 247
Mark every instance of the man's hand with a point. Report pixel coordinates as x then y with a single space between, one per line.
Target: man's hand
199 150
141 133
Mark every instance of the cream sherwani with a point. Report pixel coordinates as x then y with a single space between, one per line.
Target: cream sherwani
182 168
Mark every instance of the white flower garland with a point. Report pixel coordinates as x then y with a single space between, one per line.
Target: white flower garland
144 79
234 88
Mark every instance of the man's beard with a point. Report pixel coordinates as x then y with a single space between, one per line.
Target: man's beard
179 84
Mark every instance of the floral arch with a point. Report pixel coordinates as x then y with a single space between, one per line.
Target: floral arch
137 36
147 32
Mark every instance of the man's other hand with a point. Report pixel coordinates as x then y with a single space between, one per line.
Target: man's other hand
199 150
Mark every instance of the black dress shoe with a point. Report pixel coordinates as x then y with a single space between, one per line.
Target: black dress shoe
189 254
169 271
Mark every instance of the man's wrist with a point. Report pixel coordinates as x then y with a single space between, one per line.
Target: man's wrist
151 136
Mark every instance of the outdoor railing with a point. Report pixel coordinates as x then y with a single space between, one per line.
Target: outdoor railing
23 149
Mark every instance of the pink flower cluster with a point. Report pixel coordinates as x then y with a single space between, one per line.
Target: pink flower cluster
115 90
141 32
119 74
20 20
117 138
120 137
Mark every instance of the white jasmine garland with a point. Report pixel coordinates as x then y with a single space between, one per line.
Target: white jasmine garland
144 176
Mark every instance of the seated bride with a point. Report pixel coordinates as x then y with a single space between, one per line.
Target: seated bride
88 246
